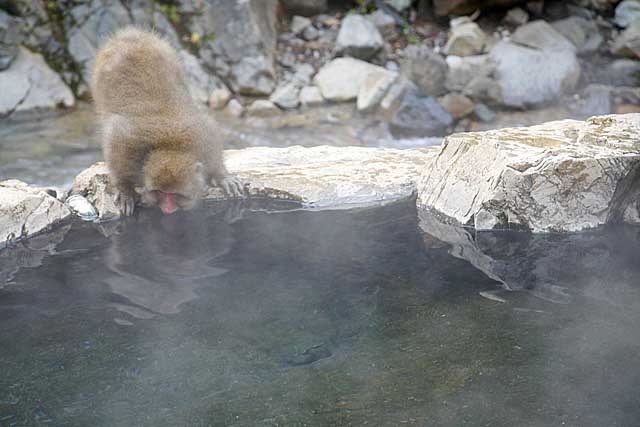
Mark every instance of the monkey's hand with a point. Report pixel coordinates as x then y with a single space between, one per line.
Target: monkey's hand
232 185
127 202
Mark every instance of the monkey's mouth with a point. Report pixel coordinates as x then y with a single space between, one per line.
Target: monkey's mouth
167 202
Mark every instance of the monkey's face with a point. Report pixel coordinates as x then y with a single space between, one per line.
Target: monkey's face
173 191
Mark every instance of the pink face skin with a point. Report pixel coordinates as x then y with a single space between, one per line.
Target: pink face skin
167 202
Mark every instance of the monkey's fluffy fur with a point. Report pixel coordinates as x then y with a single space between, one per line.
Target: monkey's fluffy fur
154 135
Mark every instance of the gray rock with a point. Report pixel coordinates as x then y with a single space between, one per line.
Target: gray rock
427 69
466 39
219 98
358 37
583 33
305 7
465 7
201 84
392 100
238 42
457 104
462 70
299 24
383 21
310 96
419 116
303 74
560 176
621 72
373 89
263 108
253 76
29 83
10 37
25 211
286 96
94 184
234 109
342 78
96 23
516 17
310 33
399 5
485 89
484 113
542 36
627 44
627 11
529 77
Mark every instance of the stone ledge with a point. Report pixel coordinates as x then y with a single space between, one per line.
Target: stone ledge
319 177
559 176
25 211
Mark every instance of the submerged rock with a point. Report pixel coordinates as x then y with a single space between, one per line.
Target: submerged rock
29 83
560 176
25 211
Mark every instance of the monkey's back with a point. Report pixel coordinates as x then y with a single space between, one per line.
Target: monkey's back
138 73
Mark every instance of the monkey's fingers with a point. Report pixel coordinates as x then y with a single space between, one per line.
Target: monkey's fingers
127 203
233 186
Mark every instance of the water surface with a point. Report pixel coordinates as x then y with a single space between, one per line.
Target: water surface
234 317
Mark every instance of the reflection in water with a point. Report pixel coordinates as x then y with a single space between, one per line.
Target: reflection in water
159 260
370 316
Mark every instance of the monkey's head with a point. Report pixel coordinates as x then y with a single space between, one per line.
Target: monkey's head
172 180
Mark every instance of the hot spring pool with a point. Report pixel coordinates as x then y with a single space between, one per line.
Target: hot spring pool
232 317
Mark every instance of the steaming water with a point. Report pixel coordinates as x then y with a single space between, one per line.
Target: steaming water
235 317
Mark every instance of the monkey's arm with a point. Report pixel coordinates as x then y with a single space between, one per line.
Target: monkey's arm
124 158
215 169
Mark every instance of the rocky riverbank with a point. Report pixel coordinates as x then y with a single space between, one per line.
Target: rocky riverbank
424 68
561 176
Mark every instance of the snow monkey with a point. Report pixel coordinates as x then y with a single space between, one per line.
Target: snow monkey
156 140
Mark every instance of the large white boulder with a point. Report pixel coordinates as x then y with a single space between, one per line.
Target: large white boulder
560 176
